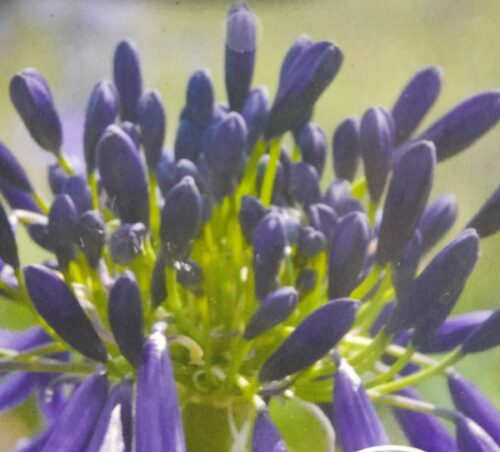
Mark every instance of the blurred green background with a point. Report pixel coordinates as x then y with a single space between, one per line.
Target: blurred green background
384 43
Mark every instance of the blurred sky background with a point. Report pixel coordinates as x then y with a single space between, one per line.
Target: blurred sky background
384 42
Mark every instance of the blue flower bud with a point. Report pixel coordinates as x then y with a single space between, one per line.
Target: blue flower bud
323 218
303 184
486 336
11 172
375 145
39 233
437 218
407 196
415 101
311 340
312 144
188 141
77 189
487 221
152 120
301 44
123 176
274 309
33 102
250 213
91 236
346 149
180 218
131 130
472 438
240 53
157 285
126 243
310 242
56 303
18 199
200 99
308 73
405 265
56 177
190 274
63 218
128 79
306 280
356 422
464 124
254 112
156 405
265 436
338 197
125 317
8 245
101 112
347 253
166 173
75 425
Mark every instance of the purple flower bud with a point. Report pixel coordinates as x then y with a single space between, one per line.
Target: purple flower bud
58 306
301 44
157 286
254 112
310 242
126 243
123 176
158 423
415 101
56 177
347 253
8 245
240 53
128 79
303 184
323 218
423 430
200 99
190 274
472 438
152 120
125 317
407 196
63 218
274 309
487 221
188 141
486 336
338 197
306 280
101 112
356 422
312 144
346 149
405 265
436 220
375 145
266 437
166 173
180 218
33 102
131 130
311 340
77 189
250 213
18 199
75 426
309 71
11 172
39 233
91 236
464 124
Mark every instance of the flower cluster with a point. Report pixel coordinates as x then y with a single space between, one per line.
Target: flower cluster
221 273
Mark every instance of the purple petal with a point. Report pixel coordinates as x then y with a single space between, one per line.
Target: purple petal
265 437
486 336
472 438
11 172
16 387
487 221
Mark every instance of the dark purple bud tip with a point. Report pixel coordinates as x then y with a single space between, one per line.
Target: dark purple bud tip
375 144
464 124
303 184
312 144
250 213
91 236
126 243
101 112
437 218
33 102
311 340
254 112
485 336
323 218
407 196
11 172
58 306
310 242
415 101
128 79
265 436
473 438
269 239
8 245
487 221
274 309
125 317
153 122
346 149
190 275
200 99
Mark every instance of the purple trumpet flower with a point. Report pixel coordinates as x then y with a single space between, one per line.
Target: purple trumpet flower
241 36
58 306
188 141
464 124
415 101
254 112
472 438
101 112
487 221
8 245
123 176
11 172
346 149
486 336
250 213
33 101
274 309
126 243
303 184
125 317
437 218
317 334
199 99
375 145
312 144
266 437
77 189
356 422
158 423
406 198
90 236
152 121
405 265
472 403
347 253
128 79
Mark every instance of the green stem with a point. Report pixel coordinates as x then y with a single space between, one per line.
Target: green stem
93 189
378 343
358 188
65 165
247 185
39 202
28 355
46 365
154 212
270 173
394 369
